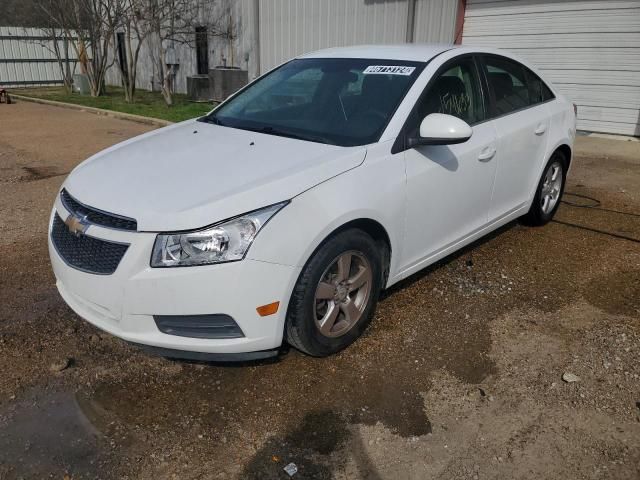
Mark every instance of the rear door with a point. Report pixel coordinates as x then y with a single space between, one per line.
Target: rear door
521 118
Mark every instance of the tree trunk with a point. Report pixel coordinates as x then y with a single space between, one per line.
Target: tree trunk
128 95
167 87
66 76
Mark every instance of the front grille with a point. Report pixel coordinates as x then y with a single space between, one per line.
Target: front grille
95 216
89 254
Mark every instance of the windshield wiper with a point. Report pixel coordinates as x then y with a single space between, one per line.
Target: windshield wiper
211 119
269 130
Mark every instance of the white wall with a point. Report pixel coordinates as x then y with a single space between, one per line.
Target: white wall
240 49
435 21
292 27
589 49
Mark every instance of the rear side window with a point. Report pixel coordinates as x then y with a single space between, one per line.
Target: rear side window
508 83
538 90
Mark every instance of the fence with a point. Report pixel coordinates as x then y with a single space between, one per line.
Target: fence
27 57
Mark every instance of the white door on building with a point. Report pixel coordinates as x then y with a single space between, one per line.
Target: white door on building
589 49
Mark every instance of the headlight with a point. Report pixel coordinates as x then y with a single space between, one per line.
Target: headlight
224 242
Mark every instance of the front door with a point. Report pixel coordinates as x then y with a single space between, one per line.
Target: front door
448 186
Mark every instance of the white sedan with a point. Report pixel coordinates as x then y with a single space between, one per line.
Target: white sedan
282 214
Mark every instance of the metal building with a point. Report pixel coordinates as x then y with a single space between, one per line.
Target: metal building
292 27
589 49
270 32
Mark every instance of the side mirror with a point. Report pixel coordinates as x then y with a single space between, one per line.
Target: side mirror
441 129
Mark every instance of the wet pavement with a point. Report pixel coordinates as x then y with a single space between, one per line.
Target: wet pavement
457 377
48 432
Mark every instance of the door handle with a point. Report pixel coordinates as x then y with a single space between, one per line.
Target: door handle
487 154
541 129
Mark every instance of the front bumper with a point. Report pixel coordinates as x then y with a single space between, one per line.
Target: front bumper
125 302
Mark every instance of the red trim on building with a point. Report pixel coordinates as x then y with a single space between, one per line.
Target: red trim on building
462 6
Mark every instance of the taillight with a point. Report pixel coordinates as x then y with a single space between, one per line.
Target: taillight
575 109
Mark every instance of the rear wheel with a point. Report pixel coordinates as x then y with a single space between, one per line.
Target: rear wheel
336 294
549 192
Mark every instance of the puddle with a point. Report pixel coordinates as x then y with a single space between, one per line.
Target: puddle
50 434
319 434
617 293
264 398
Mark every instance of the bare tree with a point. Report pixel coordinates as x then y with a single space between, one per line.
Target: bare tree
158 25
134 26
89 25
62 55
170 22
55 41
29 14
173 22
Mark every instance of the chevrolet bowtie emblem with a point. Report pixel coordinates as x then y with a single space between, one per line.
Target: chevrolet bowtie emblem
77 225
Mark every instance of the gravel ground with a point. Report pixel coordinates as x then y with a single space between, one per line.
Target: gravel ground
459 376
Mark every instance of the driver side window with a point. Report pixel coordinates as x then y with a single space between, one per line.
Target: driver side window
454 92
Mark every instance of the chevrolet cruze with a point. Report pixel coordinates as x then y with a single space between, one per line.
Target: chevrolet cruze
281 215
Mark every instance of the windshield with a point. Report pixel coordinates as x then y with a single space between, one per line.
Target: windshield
340 101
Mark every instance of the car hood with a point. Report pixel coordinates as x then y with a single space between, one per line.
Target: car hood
193 174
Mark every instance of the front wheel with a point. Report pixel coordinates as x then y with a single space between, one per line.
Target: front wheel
549 192
336 294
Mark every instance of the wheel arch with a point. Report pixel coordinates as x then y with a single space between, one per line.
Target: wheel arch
375 230
561 146
566 150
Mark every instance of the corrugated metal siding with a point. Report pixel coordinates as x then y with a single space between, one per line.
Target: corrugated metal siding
27 58
245 43
435 21
589 49
292 27
239 52
145 70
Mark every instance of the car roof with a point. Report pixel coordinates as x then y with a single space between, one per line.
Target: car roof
409 51
416 52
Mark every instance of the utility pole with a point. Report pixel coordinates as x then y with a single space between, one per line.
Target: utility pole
411 20
256 35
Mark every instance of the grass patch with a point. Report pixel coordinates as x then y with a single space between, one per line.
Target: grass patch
147 104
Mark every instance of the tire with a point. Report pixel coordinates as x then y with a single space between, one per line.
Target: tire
326 312
549 190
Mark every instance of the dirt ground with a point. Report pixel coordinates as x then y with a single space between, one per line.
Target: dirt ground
459 376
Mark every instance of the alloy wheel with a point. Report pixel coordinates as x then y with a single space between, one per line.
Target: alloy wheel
551 187
342 294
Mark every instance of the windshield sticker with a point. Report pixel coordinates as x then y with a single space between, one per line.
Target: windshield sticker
388 70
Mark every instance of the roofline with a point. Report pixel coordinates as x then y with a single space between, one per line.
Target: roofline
383 51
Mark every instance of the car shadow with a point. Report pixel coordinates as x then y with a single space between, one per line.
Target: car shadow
410 280
440 155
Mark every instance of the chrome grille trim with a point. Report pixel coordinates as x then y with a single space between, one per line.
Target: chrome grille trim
96 216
